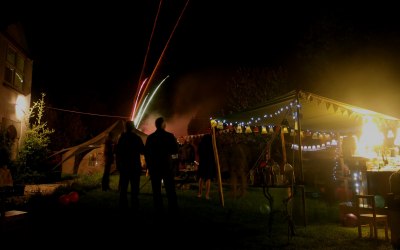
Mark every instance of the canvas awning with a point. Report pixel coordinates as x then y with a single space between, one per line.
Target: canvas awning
316 113
308 112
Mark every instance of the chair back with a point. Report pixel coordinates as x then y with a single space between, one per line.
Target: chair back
366 213
365 204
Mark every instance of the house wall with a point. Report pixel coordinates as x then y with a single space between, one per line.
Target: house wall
14 101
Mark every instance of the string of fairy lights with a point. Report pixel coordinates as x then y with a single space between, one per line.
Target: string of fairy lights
292 106
264 125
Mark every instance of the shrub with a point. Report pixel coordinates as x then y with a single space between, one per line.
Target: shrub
31 160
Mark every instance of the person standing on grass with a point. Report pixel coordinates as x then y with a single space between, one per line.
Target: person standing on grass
108 161
128 150
207 168
161 150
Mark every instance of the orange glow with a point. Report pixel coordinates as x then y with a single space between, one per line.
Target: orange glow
397 139
370 140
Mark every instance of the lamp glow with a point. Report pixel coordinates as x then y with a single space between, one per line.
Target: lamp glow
20 107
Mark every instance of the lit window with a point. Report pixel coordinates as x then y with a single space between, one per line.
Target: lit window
14 69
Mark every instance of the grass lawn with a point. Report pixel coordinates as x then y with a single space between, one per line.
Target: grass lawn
241 223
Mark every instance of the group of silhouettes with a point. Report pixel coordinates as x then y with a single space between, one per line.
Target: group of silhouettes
160 153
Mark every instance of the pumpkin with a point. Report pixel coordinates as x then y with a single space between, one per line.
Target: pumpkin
73 196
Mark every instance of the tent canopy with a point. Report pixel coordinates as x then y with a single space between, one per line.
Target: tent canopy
316 113
72 157
308 112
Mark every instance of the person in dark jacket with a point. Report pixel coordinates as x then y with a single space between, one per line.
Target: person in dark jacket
128 150
161 149
207 167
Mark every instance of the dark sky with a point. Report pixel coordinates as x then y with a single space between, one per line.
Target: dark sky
88 57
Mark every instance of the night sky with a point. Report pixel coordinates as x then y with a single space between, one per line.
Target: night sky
89 57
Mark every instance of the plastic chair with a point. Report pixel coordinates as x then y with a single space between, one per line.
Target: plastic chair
367 215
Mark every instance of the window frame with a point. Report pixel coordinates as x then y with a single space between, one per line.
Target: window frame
13 69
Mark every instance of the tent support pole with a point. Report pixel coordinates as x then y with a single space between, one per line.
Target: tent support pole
300 157
300 153
220 190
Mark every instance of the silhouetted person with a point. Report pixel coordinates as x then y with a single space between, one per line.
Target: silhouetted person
161 150
128 150
108 161
207 168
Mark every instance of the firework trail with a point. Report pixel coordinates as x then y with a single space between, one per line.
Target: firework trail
140 107
138 93
145 104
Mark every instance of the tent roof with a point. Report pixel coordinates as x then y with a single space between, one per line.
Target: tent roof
117 128
316 113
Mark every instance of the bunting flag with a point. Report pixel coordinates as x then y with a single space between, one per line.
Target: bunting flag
328 105
248 130
263 130
255 130
335 107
